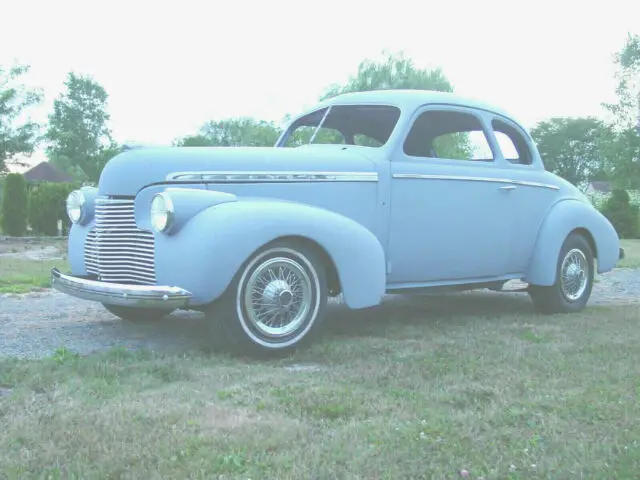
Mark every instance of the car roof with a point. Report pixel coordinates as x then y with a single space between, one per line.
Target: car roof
412 99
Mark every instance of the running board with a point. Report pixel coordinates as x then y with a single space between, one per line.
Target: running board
511 286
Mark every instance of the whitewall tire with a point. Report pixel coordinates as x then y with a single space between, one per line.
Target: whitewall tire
575 272
276 301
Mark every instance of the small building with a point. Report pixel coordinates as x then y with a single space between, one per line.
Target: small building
46 172
601 188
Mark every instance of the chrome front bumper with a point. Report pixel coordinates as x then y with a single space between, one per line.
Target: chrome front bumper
142 296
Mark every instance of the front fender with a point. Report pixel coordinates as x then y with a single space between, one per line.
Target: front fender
565 217
188 201
205 254
75 247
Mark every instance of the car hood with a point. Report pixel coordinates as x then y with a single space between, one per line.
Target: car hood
132 170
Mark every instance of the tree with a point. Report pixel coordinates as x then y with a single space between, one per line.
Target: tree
623 152
395 71
14 205
16 137
621 157
622 214
47 206
234 132
627 62
571 147
80 142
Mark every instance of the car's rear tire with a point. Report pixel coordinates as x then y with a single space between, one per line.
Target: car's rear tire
275 303
575 273
137 315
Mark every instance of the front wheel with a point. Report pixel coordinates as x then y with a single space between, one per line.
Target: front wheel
276 301
574 279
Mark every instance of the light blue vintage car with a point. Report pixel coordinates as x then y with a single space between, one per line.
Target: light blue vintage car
368 193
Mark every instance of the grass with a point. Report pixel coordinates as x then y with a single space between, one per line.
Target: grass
632 254
421 389
23 275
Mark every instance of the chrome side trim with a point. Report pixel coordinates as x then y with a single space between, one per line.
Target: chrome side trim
148 296
526 183
420 176
271 176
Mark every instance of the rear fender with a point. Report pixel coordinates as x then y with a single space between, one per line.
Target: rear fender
565 217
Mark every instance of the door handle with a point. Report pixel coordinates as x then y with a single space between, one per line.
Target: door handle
508 187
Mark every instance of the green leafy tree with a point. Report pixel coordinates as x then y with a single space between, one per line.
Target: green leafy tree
234 132
623 152
80 141
627 64
571 147
622 214
396 71
195 141
47 206
16 136
14 205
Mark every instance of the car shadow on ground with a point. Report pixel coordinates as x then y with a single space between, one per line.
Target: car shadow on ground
188 330
426 310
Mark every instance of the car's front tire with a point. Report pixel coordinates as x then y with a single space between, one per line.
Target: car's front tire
275 303
574 279
137 315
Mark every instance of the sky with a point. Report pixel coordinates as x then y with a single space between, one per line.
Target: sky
169 67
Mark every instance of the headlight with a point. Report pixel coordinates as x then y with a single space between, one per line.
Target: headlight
162 212
75 204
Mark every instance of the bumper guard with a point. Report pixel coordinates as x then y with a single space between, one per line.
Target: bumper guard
142 296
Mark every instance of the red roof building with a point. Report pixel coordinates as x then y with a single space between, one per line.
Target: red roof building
46 172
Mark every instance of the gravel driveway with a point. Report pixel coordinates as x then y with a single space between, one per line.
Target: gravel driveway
35 325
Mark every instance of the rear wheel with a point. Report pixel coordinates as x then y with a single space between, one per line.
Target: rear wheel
574 279
137 315
274 304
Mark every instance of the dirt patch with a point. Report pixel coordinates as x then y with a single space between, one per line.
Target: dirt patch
36 248
219 417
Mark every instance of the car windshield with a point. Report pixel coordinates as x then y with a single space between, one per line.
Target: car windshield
364 125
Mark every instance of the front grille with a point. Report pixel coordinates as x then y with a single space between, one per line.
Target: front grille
116 250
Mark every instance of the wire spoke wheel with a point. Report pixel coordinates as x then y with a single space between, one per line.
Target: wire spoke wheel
574 274
574 279
280 297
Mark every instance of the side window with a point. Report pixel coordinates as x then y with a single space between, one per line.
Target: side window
302 135
512 144
448 135
366 141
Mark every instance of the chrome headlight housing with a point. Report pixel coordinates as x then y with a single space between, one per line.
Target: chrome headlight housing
162 212
76 206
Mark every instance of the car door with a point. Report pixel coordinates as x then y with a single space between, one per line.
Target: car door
534 191
451 219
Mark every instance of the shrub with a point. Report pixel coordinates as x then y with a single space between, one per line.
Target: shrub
14 205
623 215
47 206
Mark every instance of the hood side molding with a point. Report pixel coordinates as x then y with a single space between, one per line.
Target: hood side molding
271 176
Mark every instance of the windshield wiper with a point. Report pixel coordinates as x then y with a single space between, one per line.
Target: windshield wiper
313 137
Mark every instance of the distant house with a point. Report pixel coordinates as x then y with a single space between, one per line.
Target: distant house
599 192
598 188
46 172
